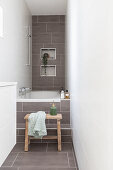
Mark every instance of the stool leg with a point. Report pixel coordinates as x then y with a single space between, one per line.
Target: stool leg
59 135
26 137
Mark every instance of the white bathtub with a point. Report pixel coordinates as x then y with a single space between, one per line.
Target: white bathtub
40 96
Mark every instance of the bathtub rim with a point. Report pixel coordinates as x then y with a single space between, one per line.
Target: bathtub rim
38 100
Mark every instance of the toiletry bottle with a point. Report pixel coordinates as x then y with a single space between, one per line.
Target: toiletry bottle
62 94
53 110
67 95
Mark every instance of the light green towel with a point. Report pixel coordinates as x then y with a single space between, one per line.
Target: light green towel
36 124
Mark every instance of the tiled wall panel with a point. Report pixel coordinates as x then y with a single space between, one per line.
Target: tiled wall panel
63 107
48 32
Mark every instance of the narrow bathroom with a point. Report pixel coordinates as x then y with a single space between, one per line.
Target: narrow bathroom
56 85
43 87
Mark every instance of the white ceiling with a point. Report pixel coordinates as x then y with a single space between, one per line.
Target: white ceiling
47 7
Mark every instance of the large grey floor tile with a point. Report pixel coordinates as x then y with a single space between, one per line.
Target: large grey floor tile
7 164
38 147
8 168
30 168
40 159
33 147
60 169
71 158
19 147
10 159
66 147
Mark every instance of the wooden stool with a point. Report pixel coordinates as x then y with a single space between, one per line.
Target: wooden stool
58 117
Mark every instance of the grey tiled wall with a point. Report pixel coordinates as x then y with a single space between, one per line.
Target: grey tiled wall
24 108
63 107
48 32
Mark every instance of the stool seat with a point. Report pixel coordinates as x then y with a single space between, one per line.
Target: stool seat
58 117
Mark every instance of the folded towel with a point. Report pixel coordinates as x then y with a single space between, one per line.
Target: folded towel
36 124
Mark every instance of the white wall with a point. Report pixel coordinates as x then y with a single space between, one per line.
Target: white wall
89 77
7 119
14 44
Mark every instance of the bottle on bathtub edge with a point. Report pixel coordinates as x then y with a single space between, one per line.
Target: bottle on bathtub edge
62 93
67 95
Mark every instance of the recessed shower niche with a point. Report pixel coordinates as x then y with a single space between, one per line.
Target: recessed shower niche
50 51
45 55
50 70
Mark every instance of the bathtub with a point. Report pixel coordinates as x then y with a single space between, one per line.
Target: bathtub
40 96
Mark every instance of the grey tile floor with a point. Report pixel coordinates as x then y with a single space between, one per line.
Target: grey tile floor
41 156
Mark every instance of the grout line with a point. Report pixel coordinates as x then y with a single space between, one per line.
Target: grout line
47 147
15 159
53 82
46 27
60 106
22 106
68 160
51 38
75 161
46 110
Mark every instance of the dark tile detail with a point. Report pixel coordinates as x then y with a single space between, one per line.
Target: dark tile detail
71 159
66 147
30 168
21 132
36 61
60 169
39 106
19 147
43 88
19 106
44 82
60 48
38 147
35 159
32 160
52 132
38 28
66 132
8 168
65 118
52 27
58 37
60 72
42 38
62 18
48 32
20 139
49 18
10 159
7 164
65 105
21 125
34 19
59 82
67 139
36 49
20 117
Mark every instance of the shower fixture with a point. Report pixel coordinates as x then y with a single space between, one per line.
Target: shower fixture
29 45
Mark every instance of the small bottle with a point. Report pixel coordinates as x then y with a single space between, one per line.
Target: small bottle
66 94
53 110
62 94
